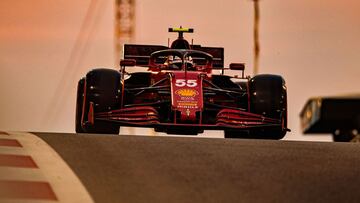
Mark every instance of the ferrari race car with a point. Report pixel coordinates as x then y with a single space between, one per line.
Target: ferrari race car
178 93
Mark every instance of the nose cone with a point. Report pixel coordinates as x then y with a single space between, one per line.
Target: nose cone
187 95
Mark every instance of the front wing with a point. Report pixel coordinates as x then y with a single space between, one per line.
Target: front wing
226 119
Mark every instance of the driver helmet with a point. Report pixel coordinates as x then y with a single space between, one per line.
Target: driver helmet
174 63
189 63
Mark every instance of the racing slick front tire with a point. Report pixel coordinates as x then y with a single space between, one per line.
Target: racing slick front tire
102 88
79 105
268 97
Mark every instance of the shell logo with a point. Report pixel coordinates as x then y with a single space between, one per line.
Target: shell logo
186 92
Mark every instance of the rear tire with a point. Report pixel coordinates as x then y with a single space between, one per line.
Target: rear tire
103 89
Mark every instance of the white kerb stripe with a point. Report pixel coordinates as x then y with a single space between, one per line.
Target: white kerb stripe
65 184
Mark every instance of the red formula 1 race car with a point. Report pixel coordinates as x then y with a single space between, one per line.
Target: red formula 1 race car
179 94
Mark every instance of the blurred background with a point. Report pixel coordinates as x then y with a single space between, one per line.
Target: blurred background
47 46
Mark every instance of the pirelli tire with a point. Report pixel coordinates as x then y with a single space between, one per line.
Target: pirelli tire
268 97
102 88
79 105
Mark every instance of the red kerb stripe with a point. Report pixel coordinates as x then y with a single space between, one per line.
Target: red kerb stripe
17 161
26 190
9 143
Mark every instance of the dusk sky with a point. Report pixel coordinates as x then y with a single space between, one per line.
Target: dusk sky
314 45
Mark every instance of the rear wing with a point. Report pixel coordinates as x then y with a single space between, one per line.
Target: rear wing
141 53
216 52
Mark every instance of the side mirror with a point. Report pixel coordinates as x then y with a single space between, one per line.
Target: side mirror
127 62
237 66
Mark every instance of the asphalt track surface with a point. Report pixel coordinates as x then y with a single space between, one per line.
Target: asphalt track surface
184 169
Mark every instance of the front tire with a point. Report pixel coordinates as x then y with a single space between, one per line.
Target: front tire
79 105
268 97
102 88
